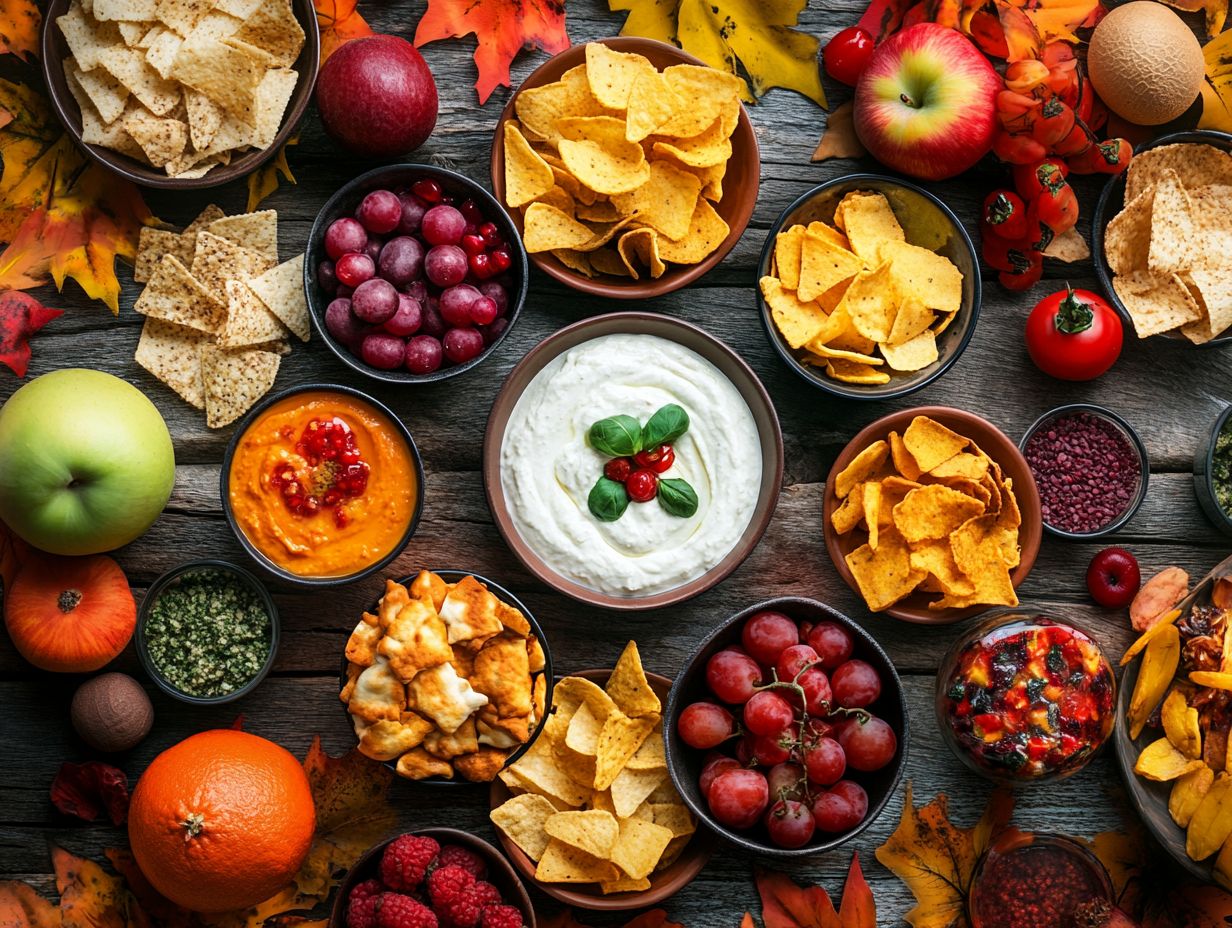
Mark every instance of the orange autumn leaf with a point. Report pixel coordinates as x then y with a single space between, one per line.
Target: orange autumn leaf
19 28
786 904
936 859
858 909
90 897
502 28
22 907
264 180
839 139
339 22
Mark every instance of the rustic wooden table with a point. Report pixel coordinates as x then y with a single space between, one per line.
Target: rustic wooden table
1170 394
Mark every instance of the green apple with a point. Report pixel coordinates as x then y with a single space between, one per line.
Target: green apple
86 463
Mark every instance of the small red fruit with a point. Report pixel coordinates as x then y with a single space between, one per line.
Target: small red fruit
1113 578
846 55
618 469
642 485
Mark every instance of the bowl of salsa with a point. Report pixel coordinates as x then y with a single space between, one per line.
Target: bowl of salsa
322 485
1025 698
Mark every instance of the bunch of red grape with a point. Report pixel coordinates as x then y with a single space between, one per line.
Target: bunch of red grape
1049 115
804 724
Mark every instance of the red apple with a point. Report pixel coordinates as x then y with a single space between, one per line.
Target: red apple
926 103
377 97
1113 578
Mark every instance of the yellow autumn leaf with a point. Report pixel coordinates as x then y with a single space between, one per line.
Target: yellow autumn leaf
1216 12
264 181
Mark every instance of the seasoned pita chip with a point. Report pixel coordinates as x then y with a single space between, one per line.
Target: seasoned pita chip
378 695
418 764
415 641
388 740
470 612
481 765
429 588
443 696
464 740
361 647
502 673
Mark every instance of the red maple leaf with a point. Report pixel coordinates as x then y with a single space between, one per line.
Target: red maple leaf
21 315
502 28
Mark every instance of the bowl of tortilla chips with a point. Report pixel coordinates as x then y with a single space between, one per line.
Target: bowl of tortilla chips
1160 236
630 168
931 514
869 287
177 94
626 846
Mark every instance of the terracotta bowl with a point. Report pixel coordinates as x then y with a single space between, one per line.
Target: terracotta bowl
500 874
685 763
55 50
739 184
704 344
999 447
586 896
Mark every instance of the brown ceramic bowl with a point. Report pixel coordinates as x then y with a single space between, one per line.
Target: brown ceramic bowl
55 50
739 184
587 896
500 874
697 340
992 440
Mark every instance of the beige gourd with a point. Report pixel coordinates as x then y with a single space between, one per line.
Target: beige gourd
1145 63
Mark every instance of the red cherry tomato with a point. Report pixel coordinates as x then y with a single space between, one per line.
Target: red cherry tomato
1030 179
1017 149
1058 207
1073 335
1025 279
657 459
1108 157
1055 121
1003 254
642 486
1006 214
846 55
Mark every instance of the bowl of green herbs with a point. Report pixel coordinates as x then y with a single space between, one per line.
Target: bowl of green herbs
207 632
1212 472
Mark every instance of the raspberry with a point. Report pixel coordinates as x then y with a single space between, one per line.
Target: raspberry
361 911
461 857
486 894
449 888
501 916
397 911
366 890
406 860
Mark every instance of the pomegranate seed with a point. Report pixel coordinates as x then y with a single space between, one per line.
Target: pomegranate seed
481 266
427 190
470 209
491 234
501 260
473 244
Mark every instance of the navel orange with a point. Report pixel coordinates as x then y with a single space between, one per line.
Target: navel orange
221 821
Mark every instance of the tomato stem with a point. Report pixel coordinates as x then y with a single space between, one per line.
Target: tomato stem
1073 315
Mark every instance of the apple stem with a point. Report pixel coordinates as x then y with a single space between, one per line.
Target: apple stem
907 100
69 600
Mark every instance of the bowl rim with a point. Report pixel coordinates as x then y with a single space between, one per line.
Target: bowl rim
224 485
788 605
129 168
498 418
1204 483
314 249
1100 219
699 849
616 287
503 594
1027 496
875 391
443 835
160 585
1135 441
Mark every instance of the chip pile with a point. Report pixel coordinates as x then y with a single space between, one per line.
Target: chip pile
181 85
1168 247
616 165
838 293
940 517
445 678
592 801
218 309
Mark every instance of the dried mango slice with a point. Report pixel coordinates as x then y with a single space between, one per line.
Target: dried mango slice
1181 725
1161 761
1211 823
1149 635
1187 793
1213 679
1159 664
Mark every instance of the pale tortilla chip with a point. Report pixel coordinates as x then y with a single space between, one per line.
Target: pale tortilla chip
255 231
130 68
175 295
234 381
1156 304
281 289
221 72
172 353
249 321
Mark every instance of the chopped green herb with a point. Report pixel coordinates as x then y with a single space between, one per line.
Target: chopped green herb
1221 467
208 634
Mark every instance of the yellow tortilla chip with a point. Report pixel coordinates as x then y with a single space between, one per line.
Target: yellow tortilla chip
934 511
561 863
862 467
707 231
868 221
527 176
923 276
618 741
639 846
824 265
931 443
797 321
522 819
651 103
629 688
914 354
787 245
872 303
593 831
612 74
546 228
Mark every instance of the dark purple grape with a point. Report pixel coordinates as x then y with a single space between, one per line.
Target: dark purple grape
401 260
374 246
326 278
344 235
418 290
341 323
407 319
463 344
380 211
456 304
375 301
445 265
443 225
483 311
423 354
383 351
344 291
413 210
492 332
497 294
433 322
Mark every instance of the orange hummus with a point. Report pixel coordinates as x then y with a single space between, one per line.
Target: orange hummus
323 484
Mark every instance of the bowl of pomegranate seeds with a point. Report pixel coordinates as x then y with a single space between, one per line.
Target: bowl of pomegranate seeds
1091 469
432 876
414 273
786 733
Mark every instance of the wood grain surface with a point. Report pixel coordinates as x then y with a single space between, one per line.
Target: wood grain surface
1170 394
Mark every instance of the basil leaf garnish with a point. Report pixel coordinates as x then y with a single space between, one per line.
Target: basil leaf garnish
608 500
616 436
666 425
677 497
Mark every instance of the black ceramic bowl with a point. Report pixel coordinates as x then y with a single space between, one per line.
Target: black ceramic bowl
257 555
392 177
500 873
169 579
927 222
685 763
453 576
1203 471
1110 202
1127 431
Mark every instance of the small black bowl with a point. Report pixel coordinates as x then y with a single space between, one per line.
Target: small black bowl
684 763
345 201
1112 200
1203 471
1128 431
927 222
281 572
453 576
173 576
500 873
